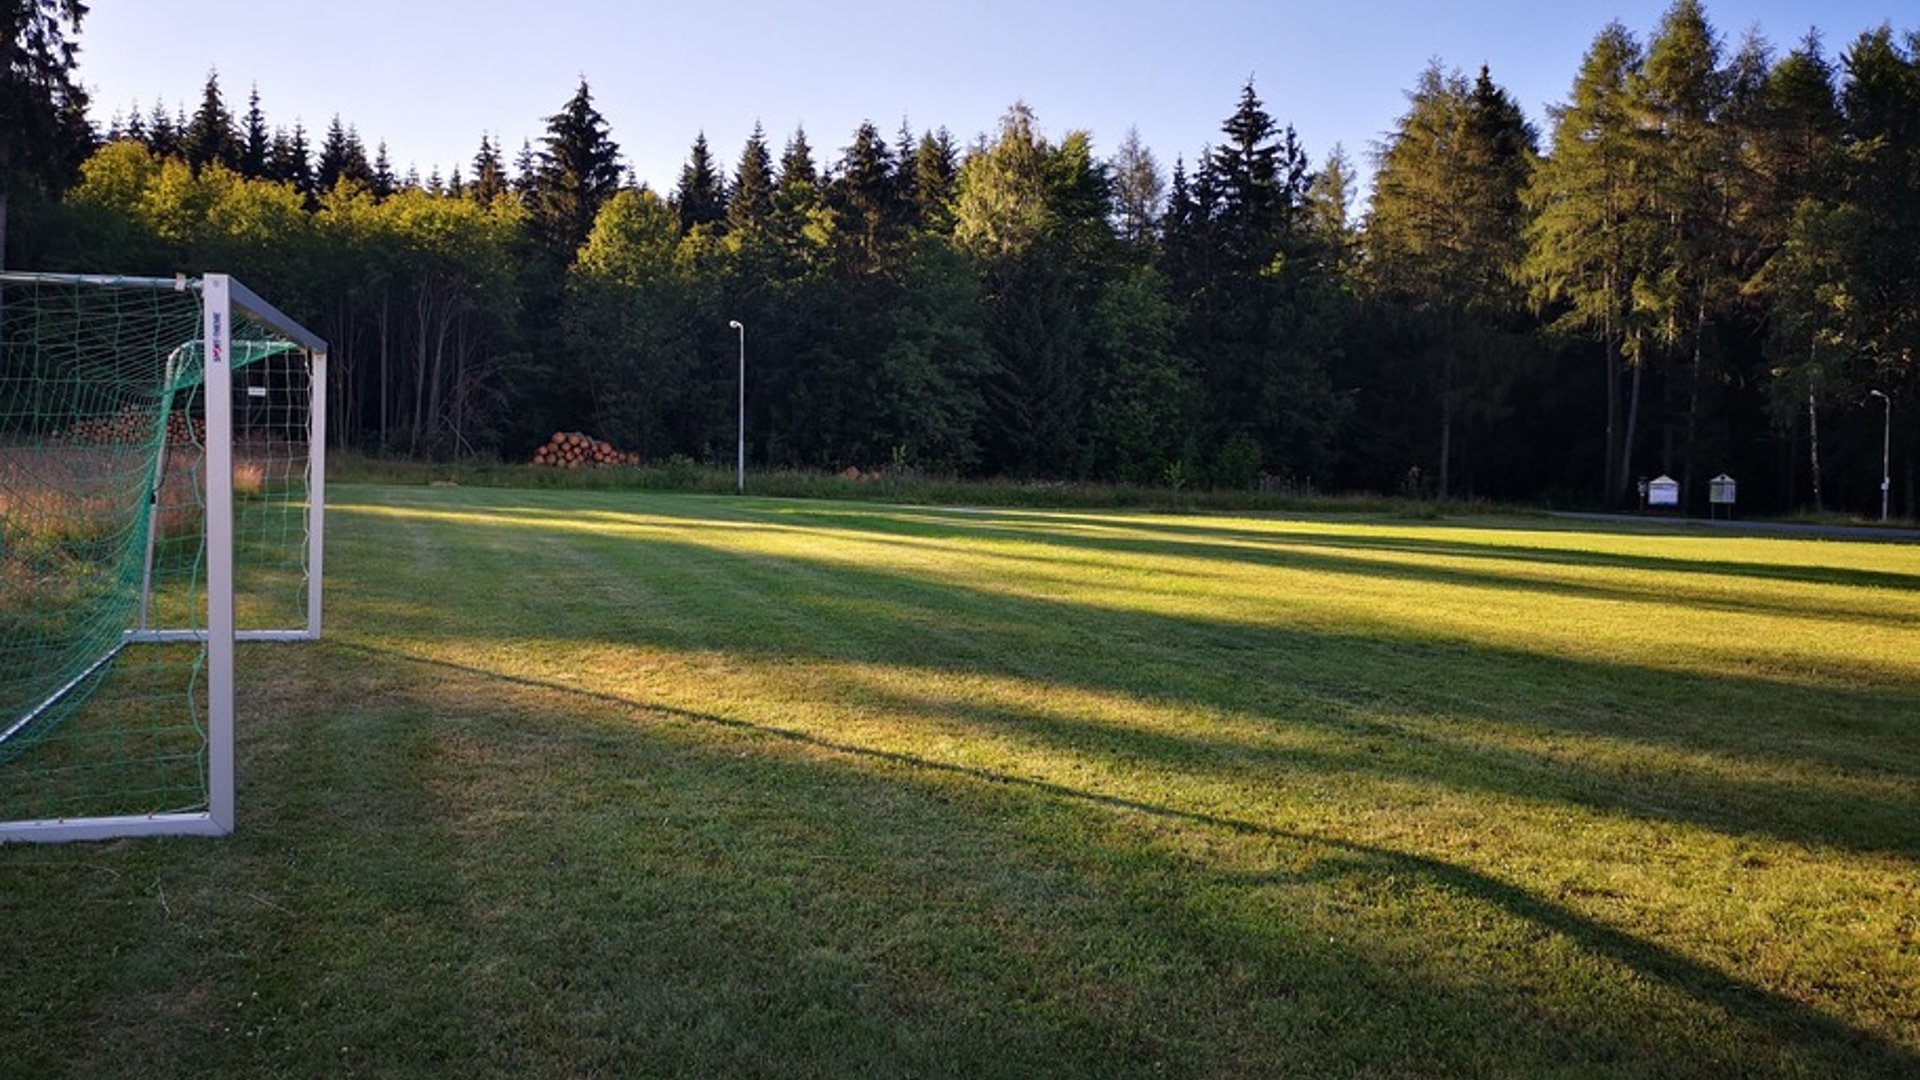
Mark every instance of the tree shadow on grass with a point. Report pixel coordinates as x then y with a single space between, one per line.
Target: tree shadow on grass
1666 579
687 596
1781 1025
1174 529
1307 551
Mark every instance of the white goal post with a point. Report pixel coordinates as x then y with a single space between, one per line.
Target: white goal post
129 567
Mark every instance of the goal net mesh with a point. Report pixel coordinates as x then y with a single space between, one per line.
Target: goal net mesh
103 556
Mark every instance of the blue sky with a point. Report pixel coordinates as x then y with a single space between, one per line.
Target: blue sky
430 77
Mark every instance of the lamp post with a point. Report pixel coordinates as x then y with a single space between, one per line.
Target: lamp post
740 482
1886 453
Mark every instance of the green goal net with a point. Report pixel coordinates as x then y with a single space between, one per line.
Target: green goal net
160 500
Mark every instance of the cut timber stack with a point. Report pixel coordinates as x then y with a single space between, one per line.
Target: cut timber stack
574 450
135 426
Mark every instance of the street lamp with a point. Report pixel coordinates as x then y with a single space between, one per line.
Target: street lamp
741 481
1886 453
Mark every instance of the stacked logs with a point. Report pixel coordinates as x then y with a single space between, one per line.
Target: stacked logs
134 426
574 450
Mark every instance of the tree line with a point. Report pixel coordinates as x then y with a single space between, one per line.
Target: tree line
1706 263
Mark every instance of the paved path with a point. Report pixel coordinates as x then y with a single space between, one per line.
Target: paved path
1864 533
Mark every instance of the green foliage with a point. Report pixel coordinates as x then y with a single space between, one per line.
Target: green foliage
701 197
1444 242
578 171
1711 233
44 131
211 137
750 204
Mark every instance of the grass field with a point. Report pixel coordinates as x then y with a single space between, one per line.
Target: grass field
617 783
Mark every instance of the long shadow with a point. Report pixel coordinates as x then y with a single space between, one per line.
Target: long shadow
1808 1028
1278 550
1088 529
1306 552
1288 678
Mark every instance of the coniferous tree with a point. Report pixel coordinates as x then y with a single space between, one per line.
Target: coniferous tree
526 174
1246 169
1589 242
342 158
256 143
292 162
799 178
750 205
866 198
382 183
135 127
1181 226
1444 238
1881 106
210 137
1329 211
163 138
44 133
1137 191
701 196
489 175
1680 97
579 170
800 228
1025 209
936 168
1258 307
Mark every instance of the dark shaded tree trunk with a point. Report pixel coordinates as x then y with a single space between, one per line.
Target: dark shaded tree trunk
1626 443
1813 451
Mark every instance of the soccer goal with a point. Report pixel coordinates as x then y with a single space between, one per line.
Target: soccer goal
162 463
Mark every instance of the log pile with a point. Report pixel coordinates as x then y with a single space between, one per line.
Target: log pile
575 450
134 426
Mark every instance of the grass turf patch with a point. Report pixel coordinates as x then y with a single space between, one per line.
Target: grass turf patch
631 783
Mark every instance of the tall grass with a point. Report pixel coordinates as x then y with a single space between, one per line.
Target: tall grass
912 486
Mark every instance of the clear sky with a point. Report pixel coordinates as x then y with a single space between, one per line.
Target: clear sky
429 77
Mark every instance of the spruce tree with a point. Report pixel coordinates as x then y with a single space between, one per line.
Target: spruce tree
382 183
936 167
162 137
136 124
750 205
489 176
799 176
796 203
256 143
44 133
210 137
701 196
866 197
1245 167
295 166
579 169
342 157
526 174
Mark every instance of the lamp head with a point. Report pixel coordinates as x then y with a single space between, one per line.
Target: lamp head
734 324
1878 394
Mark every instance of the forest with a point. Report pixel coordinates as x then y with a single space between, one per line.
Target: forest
1705 261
